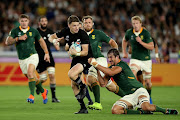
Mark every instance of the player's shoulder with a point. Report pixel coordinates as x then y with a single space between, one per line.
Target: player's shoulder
98 31
15 29
145 30
129 30
50 31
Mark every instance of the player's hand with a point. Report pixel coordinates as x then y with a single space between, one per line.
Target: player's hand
93 62
23 37
158 60
125 55
138 39
47 58
56 41
72 51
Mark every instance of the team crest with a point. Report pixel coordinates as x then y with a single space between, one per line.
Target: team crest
67 38
93 36
142 37
30 33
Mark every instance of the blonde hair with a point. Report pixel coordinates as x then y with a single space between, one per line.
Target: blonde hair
136 18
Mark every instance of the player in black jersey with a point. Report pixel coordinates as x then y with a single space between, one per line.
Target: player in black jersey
73 34
44 67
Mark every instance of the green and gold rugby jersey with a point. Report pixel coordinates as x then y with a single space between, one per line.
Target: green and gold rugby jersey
126 79
138 51
96 38
25 48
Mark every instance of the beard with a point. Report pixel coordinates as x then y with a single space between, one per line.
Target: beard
43 27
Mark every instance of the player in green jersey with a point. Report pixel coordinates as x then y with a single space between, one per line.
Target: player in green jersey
141 43
133 90
24 38
96 38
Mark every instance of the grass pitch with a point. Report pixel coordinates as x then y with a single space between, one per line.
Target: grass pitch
13 105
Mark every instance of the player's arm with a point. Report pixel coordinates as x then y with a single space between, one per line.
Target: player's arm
124 46
156 51
84 51
44 47
54 39
10 40
149 46
113 44
108 71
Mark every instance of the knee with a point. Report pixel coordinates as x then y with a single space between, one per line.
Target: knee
51 77
116 110
30 74
91 79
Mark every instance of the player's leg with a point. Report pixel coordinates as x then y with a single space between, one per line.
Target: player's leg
147 67
83 78
113 87
51 73
74 74
140 76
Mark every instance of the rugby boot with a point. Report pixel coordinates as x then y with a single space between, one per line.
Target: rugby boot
44 95
30 99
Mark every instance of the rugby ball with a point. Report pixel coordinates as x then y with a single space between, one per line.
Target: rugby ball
76 46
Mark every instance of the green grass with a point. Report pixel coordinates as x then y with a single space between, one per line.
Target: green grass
13 105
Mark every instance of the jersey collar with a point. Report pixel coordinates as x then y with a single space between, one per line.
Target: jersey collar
139 31
90 32
22 29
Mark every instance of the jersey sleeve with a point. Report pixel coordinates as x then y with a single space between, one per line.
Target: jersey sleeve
37 35
148 38
12 33
104 37
127 35
84 37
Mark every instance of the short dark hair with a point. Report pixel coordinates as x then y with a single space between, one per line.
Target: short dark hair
73 18
24 16
41 18
115 52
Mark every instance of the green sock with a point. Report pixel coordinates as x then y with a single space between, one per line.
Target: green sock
32 85
119 91
96 92
39 87
158 109
127 111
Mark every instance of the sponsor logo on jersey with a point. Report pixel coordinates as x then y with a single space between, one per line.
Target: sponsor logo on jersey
67 38
132 37
44 38
93 37
142 37
30 33
78 41
19 33
48 35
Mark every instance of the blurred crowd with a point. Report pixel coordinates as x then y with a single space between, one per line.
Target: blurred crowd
160 17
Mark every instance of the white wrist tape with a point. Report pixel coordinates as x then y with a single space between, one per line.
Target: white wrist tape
157 55
78 54
54 41
94 62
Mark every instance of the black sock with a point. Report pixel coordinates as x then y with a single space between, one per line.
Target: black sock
81 103
53 90
88 96
79 82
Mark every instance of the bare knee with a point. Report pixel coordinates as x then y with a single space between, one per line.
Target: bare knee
117 110
52 78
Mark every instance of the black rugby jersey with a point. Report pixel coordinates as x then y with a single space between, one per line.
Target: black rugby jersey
45 35
80 37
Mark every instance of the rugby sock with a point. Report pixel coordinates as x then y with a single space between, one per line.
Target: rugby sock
79 82
96 91
39 86
81 102
88 96
119 91
158 109
127 111
32 84
53 90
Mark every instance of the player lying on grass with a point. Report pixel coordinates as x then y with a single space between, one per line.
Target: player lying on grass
133 90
